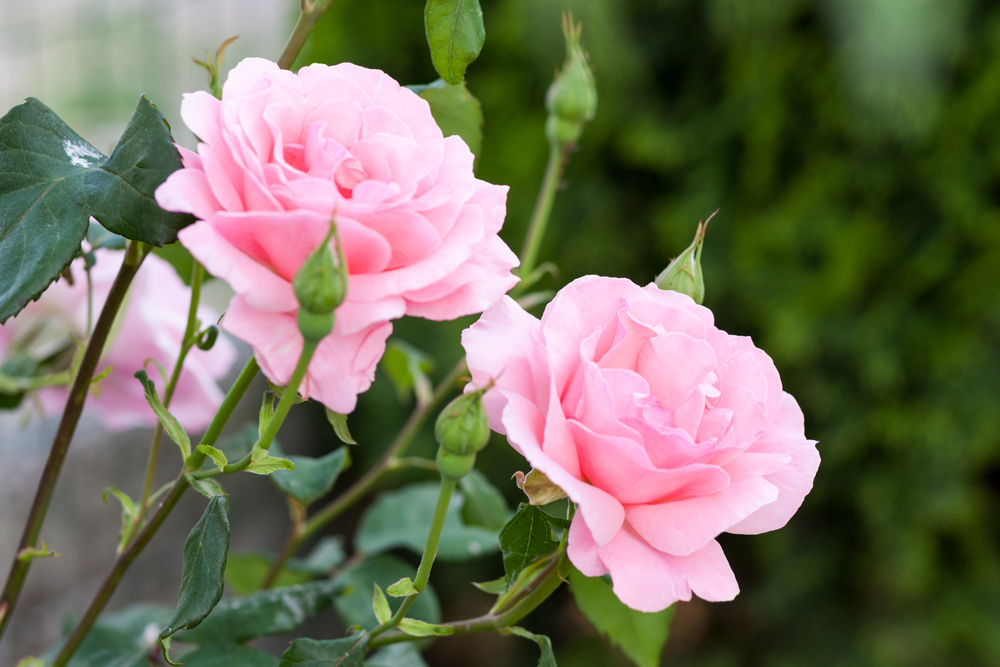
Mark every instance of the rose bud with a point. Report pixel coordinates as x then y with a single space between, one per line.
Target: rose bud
320 285
454 466
463 427
684 273
572 98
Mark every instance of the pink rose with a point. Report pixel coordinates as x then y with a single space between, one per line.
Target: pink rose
664 430
150 327
279 155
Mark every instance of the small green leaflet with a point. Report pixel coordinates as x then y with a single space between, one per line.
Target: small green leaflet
484 505
52 182
455 34
457 112
269 464
526 539
548 658
402 588
639 635
170 423
355 607
129 513
416 628
346 652
206 487
312 478
380 606
205 552
31 662
495 587
270 612
407 368
31 553
339 424
217 456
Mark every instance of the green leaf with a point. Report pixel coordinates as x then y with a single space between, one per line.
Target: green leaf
269 464
240 443
246 571
205 552
526 539
312 478
495 587
402 588
134 620
53 182
326 555
380 606
457 112
548 658
31 662
217 455
99 237
484 505
228 655
129 514
181 259
455 34
170 423
407 368
339 424
416 628
207 487
639 635
397 655
106 647
355 606
402 518
346 652
271 612
31 553
266 412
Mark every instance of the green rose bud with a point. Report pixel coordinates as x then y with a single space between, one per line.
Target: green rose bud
463 427
320 285
572 97
684 274
454 466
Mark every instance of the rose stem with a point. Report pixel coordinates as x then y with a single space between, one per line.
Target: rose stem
311 13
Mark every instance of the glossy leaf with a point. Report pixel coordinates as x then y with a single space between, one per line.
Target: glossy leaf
52 182
526 539
484 504
639 635
548 658
457 112
228 655
270 612
455 34
339 424
170 423
346 652
205 554
355 606
312 478
402 518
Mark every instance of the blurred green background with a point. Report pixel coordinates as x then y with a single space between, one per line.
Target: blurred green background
852 147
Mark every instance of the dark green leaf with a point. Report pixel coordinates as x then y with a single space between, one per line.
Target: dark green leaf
484 505
346 652
326 555
526 539
228 655
402 518
455 34
495 587
99 237
135 619
181 259
548 658
416 628
397 655
407 368
204 567
170 423
269 612
313 477
105 647
53 182
639 635
339 424
246 571
355 608
457 112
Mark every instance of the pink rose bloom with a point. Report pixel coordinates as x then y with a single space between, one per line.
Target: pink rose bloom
664 430
151 326
281 154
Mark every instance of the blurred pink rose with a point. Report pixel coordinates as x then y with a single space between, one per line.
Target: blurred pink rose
151 327
665 431
279 155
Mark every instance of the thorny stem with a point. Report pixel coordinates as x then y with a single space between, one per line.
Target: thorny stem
134 254
312 10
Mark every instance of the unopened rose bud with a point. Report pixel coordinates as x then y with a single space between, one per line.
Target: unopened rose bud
463 427
454 466
320 285
572 98
684 274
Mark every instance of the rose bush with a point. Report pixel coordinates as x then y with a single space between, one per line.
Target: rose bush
151 327
665 430
282 153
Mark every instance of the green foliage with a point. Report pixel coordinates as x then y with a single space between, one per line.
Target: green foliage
526 539
416 628
380 606
455 34
228 655
402 588
547 658
407 368
246 570
312 478
339 424
169 422
269 612
397 655
456 111
402 518
202 580
346 652
268 465
54 181
355 606
639 635
484 505
129 513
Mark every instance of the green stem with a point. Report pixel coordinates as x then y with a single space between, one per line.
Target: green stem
134 255
229 404
543 207
114 577
427 559
311 13
289 395
187 342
